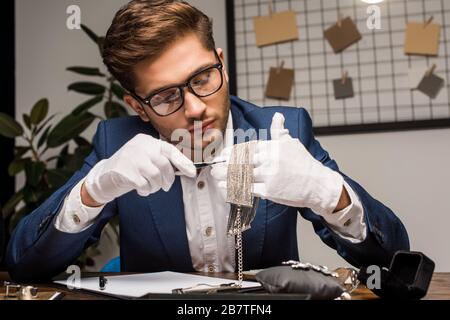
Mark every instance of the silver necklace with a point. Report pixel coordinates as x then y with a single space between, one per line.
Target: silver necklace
239 195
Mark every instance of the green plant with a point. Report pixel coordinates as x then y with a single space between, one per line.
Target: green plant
45 173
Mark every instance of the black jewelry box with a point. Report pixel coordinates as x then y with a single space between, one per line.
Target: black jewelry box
407 278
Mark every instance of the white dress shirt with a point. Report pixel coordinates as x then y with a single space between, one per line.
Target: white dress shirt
206 215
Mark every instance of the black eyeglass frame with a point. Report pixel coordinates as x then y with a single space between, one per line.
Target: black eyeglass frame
181 87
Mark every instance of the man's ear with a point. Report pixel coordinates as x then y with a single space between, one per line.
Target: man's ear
222 59
136 106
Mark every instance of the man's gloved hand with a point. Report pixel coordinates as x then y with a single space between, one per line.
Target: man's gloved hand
144 164
286 173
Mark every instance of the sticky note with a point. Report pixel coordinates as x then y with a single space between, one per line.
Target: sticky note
422 39
343 36
280 83
431 85
275 28
343 90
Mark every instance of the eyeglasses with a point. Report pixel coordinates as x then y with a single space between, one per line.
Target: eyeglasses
203 83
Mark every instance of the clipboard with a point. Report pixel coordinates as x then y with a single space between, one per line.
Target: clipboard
134 286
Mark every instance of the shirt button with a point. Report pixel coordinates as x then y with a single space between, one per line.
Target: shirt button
76 219
208 231
201 185
211 268
347 223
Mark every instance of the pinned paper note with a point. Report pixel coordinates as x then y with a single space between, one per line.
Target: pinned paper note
415 76
279 85
422 38
431 84
343 88
343 34
277 27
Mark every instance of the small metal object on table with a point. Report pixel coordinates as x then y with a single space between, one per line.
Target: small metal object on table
16 291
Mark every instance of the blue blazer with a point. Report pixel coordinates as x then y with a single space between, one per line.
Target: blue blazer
153 230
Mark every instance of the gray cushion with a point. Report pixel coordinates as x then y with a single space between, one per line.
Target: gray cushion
284 279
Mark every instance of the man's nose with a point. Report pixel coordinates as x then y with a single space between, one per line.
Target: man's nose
194 107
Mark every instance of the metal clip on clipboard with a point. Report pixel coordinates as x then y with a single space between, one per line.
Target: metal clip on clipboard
203 288
208 289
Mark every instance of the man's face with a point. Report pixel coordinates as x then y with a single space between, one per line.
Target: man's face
175 66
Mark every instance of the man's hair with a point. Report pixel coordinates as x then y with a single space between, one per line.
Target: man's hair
143 29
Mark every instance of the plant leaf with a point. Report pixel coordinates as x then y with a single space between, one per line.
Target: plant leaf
82 152
20 151
94 37
26 120
73 162
17 166
68 128
39 111
101 43
34 172
9 127
91 34
90 88
11 204
62 158
87 71
57 177
114 110
30 195
44 123
53 158
82 142
44 136
117 90
87 105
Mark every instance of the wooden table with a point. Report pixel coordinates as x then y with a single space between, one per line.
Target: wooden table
439 288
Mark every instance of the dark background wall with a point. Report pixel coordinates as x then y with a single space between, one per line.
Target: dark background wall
8 103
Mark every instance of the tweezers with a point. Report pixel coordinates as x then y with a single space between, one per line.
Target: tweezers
201 165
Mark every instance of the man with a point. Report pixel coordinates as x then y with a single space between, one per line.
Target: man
173 217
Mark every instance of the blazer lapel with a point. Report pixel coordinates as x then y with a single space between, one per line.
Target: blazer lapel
167 210
239 122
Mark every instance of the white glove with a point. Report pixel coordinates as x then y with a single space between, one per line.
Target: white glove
286 173
144 164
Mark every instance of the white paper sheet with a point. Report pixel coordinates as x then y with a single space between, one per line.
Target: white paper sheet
137 285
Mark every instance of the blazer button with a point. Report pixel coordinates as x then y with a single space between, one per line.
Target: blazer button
211 268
